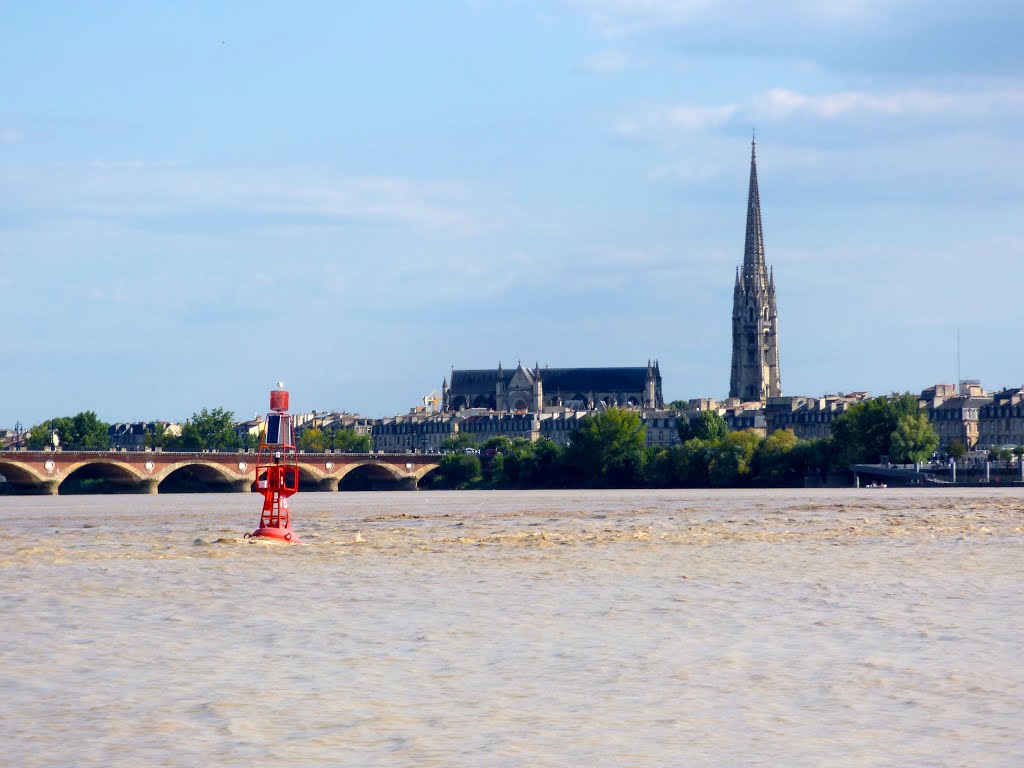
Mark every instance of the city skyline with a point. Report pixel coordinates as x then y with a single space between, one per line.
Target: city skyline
198 202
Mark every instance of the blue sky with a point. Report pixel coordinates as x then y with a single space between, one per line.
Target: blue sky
200 199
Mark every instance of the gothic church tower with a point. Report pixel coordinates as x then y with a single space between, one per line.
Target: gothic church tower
755 316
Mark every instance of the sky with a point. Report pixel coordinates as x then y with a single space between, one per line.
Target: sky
198 200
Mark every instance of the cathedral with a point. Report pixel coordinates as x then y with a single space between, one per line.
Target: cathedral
531 390
755 316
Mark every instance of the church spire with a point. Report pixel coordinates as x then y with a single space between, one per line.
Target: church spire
755 332
754 273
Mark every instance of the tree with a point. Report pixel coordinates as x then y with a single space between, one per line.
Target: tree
709 425
458 441
678 405
683 427
459 469
999 454
154 438
914 438
81 432
731 458
499 443
956 449
608 447
863 434
347 440
691 460
312 440
210 430
777 461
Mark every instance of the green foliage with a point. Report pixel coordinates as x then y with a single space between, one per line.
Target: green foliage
678 405
156 436
709 425
683 427
348 440
778 461
739 458
956 449
864 433
1018 451
692 462
81 432
312 440
210 430
459 470
251 440
501 444
999 454
458 441
608 448
914 438
494 469
731 458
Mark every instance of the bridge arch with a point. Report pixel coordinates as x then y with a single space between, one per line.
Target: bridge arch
198 477
22 477
369 475
100 474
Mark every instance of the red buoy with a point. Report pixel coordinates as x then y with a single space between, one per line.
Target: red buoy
277 471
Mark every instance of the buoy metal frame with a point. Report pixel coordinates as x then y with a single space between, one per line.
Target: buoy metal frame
277 471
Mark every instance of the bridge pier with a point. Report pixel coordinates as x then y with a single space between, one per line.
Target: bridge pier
241 486
328 484
410 483
48 487
149 486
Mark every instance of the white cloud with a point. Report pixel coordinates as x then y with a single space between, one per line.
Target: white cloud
696 118
668 120
10 136
780 103
119 189
953 107
628 16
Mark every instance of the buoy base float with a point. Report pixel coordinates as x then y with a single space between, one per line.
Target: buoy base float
277 472
278 534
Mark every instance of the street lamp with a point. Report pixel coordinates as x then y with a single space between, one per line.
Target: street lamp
17 435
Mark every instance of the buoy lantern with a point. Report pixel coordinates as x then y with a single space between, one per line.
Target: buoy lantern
277 471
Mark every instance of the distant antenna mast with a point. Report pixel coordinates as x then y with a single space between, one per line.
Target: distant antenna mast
958 379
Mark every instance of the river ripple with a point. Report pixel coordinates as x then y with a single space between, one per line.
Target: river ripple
650 628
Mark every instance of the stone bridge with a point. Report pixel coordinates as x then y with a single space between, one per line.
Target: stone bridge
44 472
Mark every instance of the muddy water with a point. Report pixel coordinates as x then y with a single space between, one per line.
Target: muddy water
763 628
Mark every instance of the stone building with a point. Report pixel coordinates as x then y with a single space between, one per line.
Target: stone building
755 318
135 436
955 416
1001 420
417 432
526 390
809 418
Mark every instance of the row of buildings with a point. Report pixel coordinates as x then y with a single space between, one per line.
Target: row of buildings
976 419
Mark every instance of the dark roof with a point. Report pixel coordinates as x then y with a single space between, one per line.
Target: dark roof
953 403
474 380
568 381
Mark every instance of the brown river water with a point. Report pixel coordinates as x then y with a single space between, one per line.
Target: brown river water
876 627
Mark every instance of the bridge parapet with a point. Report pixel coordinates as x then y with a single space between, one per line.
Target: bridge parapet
144 471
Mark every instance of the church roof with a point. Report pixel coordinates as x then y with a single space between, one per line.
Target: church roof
568 381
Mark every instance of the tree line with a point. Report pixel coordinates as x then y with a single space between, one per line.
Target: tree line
208 429
609 450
